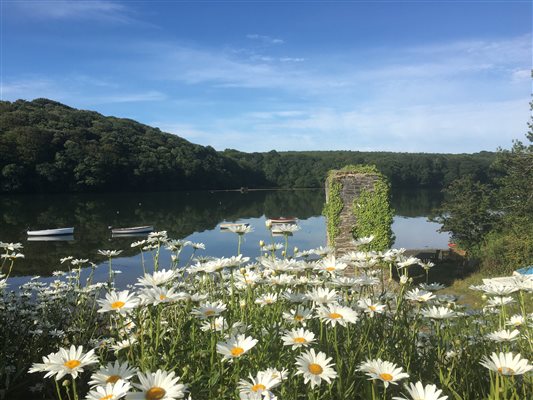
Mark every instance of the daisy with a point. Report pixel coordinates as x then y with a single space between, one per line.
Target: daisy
267 299
120 302
258 385
159 385
418 295
123 344
109 392
418 391
112 373
209 310
285 229
515 321
331 265
298 315
334 314
369 307
158 278
322 295
240 229
504 335
65 362
298 338
109 253
217 324
507 363
315 368
157 295
385 371
236 346
363 240
438 313
499 301
431 287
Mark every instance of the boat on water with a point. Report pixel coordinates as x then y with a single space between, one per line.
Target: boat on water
51 238
226 226
134 230
52 232
283 220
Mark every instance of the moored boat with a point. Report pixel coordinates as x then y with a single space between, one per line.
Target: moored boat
51 238
52 232
283 220
225 226
132 230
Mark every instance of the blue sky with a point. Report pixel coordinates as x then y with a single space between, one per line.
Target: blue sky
413 76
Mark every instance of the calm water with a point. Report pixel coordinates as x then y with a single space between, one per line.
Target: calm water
193 216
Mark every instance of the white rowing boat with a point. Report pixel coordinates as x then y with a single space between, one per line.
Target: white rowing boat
282 220
52 232
132 230
56 238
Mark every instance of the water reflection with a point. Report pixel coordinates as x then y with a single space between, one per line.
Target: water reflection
191 215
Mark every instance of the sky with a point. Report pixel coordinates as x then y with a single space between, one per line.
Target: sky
409 76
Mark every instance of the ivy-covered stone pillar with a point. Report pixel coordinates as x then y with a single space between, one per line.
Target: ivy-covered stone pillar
358 205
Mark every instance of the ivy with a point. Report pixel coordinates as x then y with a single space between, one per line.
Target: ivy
332 209
372 209
374 215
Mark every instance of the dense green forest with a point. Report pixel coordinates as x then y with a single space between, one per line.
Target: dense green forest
46 146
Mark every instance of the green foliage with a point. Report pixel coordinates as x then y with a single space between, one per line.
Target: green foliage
468 212
332 209
373 214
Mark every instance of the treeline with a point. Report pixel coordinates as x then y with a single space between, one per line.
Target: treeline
46 146
309 168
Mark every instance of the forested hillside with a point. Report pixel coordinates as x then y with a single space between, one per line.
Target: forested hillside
46 146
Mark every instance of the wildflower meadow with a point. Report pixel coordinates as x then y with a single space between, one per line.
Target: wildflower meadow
290 324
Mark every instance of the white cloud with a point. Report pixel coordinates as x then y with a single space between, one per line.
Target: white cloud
265 39
74 9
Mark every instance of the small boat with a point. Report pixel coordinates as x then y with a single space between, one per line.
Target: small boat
132 230
283 220
52 232
226 226
51 238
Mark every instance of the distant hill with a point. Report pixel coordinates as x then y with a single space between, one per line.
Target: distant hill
46 146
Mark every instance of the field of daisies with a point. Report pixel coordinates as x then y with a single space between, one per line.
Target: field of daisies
289 325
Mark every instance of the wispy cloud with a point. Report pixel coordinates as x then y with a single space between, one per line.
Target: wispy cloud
74 9
265 39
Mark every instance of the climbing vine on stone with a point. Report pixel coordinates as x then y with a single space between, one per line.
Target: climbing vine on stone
374 215
332 209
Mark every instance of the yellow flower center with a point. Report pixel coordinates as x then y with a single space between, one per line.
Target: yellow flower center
109 396
335 315
258 388
162 297
372 308
155 393
118 304
329 269
386 377
506 371
72 363
299 340
298 317
315 369
237 351
113 379
209 313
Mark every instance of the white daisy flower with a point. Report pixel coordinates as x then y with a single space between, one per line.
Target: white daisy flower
65 362
110 391
217 324
157 278
331 265
385 371
298 315
315 368
257 386
504 335
438 313
157 295
112 373
515 321
209 310
370 308
499 301
334 314
507 363
159 385
236 346
322 295
109 253
418 295
240 229
120 302
267 299
298 338
418 391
